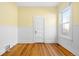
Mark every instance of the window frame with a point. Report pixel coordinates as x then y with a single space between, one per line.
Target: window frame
66 34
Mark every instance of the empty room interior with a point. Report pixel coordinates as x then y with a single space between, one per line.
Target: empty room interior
39 29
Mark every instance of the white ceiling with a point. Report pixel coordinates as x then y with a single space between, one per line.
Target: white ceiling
37 3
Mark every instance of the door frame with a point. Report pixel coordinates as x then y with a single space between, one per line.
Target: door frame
34 30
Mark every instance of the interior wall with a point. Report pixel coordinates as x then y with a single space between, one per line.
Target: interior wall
8 25
25 23
71 45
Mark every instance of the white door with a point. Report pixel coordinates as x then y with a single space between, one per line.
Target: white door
38 24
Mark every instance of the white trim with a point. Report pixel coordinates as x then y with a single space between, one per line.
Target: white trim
34 29
69 36
37 4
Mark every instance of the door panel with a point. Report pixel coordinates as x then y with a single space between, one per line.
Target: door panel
38 28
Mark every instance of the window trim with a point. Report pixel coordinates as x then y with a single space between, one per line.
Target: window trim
70 33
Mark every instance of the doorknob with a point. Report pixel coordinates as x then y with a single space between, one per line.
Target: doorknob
35 31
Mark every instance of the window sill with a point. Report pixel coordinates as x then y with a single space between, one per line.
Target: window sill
67 37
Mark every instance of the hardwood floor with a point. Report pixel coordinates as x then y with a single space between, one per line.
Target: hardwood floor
38 49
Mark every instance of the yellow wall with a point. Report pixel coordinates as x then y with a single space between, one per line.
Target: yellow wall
8 14
75 11
26 14
25 22
8 24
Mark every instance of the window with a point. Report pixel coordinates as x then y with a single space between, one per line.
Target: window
66 20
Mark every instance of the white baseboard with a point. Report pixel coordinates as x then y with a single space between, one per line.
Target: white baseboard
2 50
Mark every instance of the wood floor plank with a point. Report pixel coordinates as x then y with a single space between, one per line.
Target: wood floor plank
41 50
49 49
35 50
38 49
64 51
23 49
12 51
45 50
59 53
28 50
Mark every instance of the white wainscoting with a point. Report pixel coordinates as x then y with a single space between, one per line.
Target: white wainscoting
71 45
8 36
25 35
